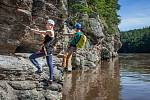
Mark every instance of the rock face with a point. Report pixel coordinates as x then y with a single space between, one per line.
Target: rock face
18 81
16 73
14 16
15 37
96 27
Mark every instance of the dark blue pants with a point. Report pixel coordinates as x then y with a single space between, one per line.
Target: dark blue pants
49 60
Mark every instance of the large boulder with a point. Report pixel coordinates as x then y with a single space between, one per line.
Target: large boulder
96 27
85 58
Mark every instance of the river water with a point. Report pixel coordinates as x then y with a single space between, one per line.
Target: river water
123 78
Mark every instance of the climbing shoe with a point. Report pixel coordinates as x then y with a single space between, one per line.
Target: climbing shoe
38 71
50 81
67 69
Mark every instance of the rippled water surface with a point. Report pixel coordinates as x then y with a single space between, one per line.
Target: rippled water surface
123 78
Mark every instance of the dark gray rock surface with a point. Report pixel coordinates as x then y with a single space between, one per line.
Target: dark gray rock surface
18 81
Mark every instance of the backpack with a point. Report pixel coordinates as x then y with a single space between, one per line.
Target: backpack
82 41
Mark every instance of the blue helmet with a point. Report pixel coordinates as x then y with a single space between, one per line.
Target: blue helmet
78 26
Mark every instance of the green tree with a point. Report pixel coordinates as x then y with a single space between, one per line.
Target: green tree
137 40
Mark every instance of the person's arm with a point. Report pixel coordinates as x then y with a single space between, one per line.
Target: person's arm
50 33
70 33
38 31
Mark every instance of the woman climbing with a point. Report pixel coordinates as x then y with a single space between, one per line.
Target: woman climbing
46 48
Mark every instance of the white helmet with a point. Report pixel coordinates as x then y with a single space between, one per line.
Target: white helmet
50 21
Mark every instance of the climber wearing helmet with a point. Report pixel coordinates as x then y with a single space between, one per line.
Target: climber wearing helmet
71 47
46 48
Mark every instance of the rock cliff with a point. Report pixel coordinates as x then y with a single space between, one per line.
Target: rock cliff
17 14
18 81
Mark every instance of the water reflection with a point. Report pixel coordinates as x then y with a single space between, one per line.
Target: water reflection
109 82
101 83
135 76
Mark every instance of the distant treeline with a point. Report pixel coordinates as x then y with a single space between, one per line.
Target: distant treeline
137 41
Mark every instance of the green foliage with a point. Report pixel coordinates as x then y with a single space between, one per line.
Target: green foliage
80 8
137 40
107 9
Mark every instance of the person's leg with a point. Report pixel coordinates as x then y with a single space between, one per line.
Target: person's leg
34 56
68 59
49 59
65 60
69 56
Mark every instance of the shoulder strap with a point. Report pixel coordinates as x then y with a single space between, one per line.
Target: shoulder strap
76 39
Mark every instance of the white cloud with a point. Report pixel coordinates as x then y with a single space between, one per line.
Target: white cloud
134 14
134 22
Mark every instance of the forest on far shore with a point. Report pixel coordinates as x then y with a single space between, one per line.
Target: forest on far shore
135 41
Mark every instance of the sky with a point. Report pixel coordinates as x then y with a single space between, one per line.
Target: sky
134 14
